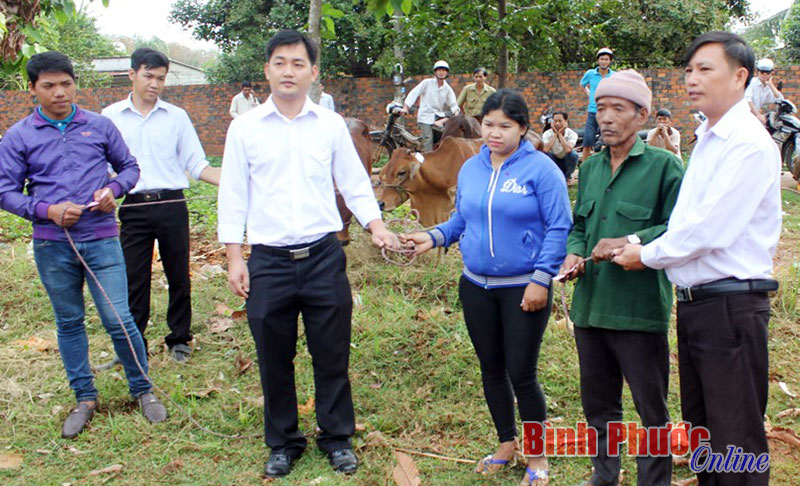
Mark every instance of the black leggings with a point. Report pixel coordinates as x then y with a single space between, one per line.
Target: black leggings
507 342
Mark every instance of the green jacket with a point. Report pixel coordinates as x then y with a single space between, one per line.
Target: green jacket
638 198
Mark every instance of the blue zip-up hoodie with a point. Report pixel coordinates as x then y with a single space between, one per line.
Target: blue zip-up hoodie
512 223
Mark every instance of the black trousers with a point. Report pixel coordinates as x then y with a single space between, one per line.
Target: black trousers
280 290
169 224
507 341
724 368
642 359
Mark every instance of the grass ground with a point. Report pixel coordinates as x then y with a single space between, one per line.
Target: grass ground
416 383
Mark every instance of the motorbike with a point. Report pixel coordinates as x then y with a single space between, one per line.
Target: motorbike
784 127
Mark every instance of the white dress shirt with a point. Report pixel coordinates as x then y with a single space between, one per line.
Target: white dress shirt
760 94
569 135
433 100
164 143
241 104
727 219
276 177
326 101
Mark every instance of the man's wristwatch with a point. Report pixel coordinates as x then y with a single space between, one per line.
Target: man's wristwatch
634 239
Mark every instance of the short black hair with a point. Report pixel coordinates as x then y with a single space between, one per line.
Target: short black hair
562 113
291 37
246 84
480 70
736 50
149 58
664 112
511 103
48 62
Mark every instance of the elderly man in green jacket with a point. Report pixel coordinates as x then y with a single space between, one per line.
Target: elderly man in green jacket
625 194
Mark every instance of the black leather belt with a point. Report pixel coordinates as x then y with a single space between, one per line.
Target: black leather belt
297 252
723 287
150 196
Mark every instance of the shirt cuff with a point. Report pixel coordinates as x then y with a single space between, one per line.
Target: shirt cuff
115 188
230 233
41 209
541 278
648 256
437 236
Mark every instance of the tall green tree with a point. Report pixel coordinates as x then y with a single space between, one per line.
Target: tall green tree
790 33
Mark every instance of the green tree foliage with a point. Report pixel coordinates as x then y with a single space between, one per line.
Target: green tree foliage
542 34
790 33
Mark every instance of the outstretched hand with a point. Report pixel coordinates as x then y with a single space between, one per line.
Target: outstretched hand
419 241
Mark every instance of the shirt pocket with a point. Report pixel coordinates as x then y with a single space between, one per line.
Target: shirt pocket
633 217
318 163
585 209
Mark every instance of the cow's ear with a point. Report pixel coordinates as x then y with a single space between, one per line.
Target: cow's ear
414 169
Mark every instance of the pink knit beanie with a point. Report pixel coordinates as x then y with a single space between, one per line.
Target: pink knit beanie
628 85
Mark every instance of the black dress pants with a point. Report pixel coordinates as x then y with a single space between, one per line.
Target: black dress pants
169 224
724 372
280 290
642 359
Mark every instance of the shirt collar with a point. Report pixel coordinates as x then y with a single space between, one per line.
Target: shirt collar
130 106
727 123
636 150
268 108
40 120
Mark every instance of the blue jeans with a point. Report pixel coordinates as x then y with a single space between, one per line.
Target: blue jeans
63 275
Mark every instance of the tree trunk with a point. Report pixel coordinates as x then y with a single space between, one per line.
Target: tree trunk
502 55
314 17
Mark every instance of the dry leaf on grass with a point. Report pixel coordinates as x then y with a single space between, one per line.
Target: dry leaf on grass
306 408
685 482
220 324
239 314
242 364
36 343
376 439
785 389
223 310
792 412
172 467
44 451
10 460
114 468
405 472
784 435
203 393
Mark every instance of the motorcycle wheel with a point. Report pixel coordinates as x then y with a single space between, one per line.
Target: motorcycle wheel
787 155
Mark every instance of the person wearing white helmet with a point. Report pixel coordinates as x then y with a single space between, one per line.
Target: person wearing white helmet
761 90
589 82
436 99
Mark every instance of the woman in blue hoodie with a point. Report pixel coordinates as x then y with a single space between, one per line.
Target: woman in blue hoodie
511 221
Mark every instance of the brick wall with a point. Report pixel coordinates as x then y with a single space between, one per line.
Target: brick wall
366 98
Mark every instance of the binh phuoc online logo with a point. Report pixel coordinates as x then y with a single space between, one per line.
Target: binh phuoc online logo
543 439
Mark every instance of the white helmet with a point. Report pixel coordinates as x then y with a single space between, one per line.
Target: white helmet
441 64
606 51
765 65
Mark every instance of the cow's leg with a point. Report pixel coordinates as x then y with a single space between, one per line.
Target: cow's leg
343 235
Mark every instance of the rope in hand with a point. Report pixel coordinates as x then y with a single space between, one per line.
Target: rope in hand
406 255
169 398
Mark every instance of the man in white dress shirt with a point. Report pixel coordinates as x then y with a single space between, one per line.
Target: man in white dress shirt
280 164
244 101
437 101
718 251
325 99
761 90
166 146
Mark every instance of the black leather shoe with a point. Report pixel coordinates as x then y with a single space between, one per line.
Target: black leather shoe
278 465
343 461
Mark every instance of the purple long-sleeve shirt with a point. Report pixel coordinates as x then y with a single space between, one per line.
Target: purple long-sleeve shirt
59 167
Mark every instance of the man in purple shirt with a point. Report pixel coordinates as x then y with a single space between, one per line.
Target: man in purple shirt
64 152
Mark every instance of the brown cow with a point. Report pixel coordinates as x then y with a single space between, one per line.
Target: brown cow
461 126
428 183
359 132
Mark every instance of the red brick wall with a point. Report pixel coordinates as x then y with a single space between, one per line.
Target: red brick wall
366 98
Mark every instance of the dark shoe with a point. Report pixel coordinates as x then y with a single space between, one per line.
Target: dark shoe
152 409
77 419
343 461
180 353
278 465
